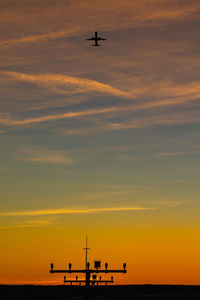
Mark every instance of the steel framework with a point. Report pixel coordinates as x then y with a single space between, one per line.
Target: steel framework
88 272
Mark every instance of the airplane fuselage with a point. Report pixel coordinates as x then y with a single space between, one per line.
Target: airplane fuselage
96 39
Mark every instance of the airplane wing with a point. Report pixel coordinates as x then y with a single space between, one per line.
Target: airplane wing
101 39
92 39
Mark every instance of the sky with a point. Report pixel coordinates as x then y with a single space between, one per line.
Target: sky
100 141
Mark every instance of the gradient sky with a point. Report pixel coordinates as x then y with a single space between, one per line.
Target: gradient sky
103 141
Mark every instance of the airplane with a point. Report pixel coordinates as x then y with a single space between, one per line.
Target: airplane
96 39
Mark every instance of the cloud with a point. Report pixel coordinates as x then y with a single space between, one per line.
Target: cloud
29 224
66 115
46 157
156 120
176 153
78 131
142 93
39 222
133 123
66 85
165 94
37 38
114 15
70 211
120 109
170 153
17 226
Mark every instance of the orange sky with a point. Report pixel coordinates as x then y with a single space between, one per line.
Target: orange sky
158 256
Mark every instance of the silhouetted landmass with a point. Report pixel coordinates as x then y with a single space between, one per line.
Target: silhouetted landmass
30 292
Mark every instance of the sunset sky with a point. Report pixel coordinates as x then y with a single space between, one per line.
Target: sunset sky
103 141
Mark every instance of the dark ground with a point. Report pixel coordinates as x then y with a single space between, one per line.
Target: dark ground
135 292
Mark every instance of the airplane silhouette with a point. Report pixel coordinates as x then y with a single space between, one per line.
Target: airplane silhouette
96 39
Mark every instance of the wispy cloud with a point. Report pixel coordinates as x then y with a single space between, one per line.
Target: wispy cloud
38 37
164 94
67 85
67 115
176 153
132 123
39 222
17 226
126 14
78 131
153 121
70 211
45 156
28 224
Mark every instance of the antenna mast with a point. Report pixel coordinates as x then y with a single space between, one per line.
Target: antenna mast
86 250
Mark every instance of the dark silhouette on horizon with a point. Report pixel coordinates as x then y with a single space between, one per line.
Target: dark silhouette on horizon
96 39
88 272
114 292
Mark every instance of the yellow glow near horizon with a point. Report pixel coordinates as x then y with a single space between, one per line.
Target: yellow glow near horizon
152 255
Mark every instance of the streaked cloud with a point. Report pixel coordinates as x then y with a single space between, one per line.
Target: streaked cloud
28 224
46 157
153 121
67 115
126 14
63 84
37 38
132 123
165 154
17 226
70 211
162 94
